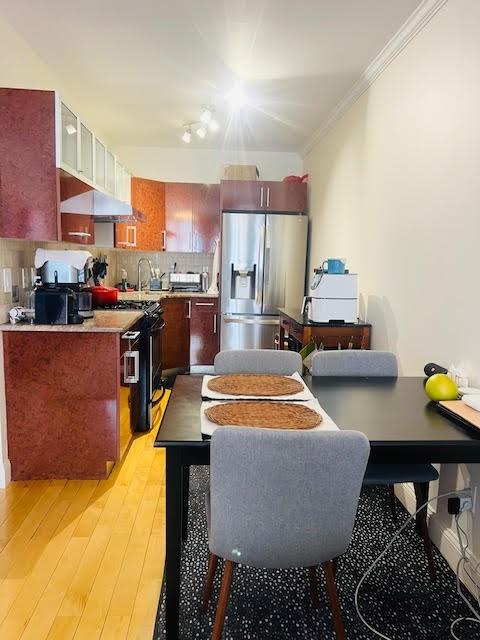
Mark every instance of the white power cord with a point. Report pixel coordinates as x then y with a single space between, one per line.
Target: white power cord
389 545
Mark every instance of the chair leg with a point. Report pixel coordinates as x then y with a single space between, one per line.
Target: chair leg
421 493
335 567
313 582
223 600
333 600
391 500
207 590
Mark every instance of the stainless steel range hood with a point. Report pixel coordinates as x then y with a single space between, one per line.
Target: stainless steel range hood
77 197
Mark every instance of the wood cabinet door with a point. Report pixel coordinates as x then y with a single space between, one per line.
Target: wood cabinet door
148 196
176 333
179 216
126 235
204 331
206 216
78 228
242 195
28 174
286 196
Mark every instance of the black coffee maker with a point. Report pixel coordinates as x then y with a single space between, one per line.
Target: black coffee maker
62 275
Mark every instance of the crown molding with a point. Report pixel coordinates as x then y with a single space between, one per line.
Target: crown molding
407 32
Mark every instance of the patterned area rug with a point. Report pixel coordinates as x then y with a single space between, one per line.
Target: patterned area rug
398 599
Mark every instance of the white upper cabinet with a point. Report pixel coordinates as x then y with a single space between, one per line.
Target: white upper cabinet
122 183
86 155
100 171
82 154
110 173
69 123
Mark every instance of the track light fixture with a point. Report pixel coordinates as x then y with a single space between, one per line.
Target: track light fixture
201 126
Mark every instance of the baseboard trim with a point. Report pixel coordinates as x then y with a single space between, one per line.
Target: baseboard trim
444 538
5 473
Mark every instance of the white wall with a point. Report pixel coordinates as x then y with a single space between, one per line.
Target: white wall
204 165
395 188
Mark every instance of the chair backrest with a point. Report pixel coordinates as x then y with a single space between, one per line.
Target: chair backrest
380 364
284 498
258 361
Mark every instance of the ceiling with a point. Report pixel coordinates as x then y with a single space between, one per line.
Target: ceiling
149 65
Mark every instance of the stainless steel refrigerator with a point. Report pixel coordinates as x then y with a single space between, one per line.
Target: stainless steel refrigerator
263 268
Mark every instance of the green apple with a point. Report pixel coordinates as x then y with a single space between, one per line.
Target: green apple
441 387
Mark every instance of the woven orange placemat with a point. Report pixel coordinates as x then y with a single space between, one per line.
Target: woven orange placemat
269 415
252 384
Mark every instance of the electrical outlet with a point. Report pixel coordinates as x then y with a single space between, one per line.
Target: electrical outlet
25 279
7 280
467 501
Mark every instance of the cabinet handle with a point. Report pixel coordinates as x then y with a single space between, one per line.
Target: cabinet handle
214 324
189 314
268 197
135 357
164 240
261 196
204 304
79 234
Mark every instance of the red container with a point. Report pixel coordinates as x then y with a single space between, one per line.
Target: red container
103 295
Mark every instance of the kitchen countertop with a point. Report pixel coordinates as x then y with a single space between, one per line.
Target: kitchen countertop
102 322
159 295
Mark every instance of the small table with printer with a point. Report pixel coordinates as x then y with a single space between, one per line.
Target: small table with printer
296 331
329 316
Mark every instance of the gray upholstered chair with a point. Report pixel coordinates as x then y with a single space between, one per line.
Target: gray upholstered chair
355 363
282 499
382 364
258 361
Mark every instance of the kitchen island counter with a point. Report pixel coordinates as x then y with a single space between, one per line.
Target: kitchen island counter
102 322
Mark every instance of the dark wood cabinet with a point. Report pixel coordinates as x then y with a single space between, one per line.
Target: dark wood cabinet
178 214
148 196
206 216
245 195
28 175
286 196
242 195
78 228
192 214
176 334
204 331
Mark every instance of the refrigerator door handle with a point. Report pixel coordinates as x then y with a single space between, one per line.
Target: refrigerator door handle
260 265
267 321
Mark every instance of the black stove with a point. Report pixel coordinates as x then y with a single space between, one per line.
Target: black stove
150 347
147 306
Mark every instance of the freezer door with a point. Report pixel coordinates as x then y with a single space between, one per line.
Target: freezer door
285 260
248 332
243 243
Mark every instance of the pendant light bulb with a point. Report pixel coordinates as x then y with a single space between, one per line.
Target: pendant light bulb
213 125
202 132
206 115
187 136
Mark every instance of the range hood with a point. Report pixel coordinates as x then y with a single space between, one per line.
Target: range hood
77 197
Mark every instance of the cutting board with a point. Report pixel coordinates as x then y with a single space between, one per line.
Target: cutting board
458 410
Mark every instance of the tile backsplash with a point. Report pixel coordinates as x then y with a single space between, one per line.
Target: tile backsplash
19 255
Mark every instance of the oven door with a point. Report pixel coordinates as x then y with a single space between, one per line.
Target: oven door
130 396
155 347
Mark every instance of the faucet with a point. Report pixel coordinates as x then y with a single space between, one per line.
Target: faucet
152 273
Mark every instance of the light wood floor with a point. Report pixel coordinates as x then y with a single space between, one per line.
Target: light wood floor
84 559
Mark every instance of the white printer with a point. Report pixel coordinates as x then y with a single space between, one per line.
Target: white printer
334 297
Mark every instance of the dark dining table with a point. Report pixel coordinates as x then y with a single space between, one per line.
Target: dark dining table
394 413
